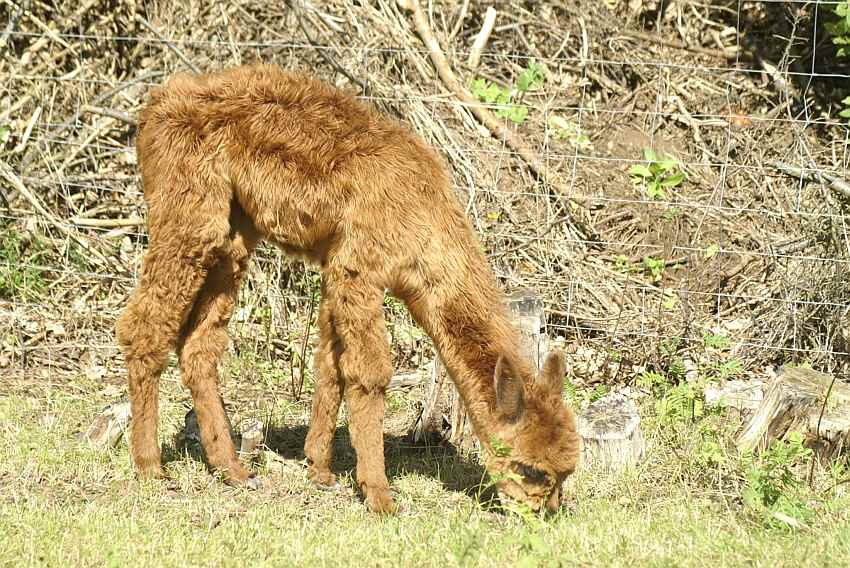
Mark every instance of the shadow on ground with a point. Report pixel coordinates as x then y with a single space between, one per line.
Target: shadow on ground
438 460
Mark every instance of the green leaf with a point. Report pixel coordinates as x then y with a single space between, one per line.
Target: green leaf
655 191
518 113
667 164
531 78
673 180
844 113
649 155
640 170
5 132
712 250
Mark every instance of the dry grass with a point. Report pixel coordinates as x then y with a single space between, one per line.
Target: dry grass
64 503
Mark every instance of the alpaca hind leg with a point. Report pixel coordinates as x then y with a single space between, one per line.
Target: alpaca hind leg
148 330
318 447
202 344
366 367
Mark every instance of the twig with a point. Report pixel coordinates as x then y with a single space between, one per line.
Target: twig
111 113
482 37
13 20
652 38
7 173
107 223
825 178
103 97
817 428
174 49
27 132
459 22
328 59
490 122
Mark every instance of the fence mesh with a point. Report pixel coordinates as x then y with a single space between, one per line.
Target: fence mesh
729 238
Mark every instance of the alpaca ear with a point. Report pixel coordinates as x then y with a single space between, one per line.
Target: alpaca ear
554 370
509 395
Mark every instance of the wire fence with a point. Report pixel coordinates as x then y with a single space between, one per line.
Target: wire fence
740 262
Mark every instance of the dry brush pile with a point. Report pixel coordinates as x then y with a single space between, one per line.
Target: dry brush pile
720 232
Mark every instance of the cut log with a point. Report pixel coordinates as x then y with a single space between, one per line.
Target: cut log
741 397
110 424
610 432
252 439
443 414
794 402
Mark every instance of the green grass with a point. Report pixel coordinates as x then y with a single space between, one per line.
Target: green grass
62 503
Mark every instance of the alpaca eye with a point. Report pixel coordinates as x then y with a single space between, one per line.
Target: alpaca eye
532 475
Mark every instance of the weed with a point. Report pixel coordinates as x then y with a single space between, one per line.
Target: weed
683 402
505 99
563 129
840 31
5 134
711 251
580 396
656 175
772 484
20 279
845 112
654 266
729 369
715 341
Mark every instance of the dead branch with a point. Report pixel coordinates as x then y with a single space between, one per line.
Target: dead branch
496 128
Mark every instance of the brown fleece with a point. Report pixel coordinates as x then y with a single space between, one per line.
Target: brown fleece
257 153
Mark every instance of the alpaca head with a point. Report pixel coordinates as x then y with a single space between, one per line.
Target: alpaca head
537 445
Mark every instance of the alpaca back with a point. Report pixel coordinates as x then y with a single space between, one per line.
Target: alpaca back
308 163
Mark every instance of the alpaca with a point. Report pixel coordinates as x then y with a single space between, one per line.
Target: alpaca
256 153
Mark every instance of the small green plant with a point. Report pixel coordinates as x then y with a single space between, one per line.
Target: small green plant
729 369
840 29
563 129
20 277
531 78
656 175
579 396
504 99
652 381
715 341
772 482
845 112
654 266
500 449
683 402
5 134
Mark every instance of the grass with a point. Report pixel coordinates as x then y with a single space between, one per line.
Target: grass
62 503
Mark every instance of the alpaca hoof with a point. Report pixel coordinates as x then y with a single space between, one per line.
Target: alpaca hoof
150 470
324 479
381 502
238 476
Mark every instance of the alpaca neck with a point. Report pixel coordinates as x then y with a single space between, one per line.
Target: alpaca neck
468 322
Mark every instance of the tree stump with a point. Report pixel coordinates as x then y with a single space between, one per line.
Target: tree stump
110 424
740 397
443 414
794 402
610 433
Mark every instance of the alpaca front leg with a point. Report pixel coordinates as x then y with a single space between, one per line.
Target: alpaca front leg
366 407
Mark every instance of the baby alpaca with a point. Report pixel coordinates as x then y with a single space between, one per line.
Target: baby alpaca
256 153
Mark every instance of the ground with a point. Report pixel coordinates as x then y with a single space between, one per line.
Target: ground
62 502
